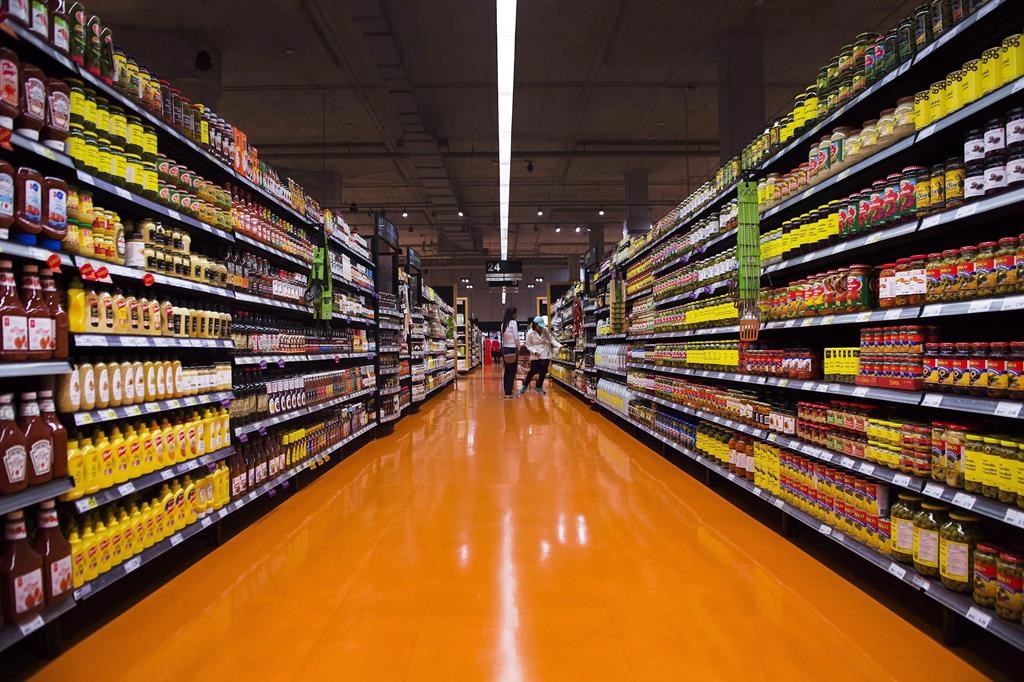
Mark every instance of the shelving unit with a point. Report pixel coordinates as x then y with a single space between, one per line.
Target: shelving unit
637 274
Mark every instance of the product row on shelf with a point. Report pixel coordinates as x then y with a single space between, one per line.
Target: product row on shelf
879 398
468 337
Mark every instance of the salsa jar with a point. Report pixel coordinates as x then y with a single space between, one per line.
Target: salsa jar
958 538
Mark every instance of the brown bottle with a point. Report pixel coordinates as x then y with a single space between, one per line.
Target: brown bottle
13 455
58 434
58 114
32 93
37 311
13 324
59 316
21 573
7 180
55 551
9 97
28 201
38 440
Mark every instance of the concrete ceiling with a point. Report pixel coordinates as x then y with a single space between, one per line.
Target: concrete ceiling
392 103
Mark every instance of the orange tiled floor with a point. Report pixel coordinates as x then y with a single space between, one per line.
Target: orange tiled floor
507 540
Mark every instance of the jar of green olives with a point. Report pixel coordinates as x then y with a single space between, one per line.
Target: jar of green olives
986 572
927 524
958 538
1010 585
902 516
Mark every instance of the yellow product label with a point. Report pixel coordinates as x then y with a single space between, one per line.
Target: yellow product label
118 127
102 120
954 560
989 469
78 103
1006 470
90 112
136 136
926 547
972 464
149 142
902 535
1018 476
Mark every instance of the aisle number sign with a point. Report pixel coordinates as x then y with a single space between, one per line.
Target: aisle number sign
504 271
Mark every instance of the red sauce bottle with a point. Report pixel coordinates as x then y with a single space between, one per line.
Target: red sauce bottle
13 456
21 573
37 311
7 180
58 434
28 201
55 552
58 114
55 209
38 440
13 323
19 12
9 99
59 316
32 110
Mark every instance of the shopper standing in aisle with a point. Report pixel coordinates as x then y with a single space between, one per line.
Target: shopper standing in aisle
509 349
542 346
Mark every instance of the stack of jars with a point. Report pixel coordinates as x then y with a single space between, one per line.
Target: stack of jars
791 363
845 290
892 356
700 274
988 269
995 370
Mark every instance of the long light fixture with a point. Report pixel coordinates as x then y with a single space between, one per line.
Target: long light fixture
506 33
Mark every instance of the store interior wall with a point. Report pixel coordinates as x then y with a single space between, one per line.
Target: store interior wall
485 303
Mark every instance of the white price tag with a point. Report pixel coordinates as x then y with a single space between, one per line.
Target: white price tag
757 491
1008 408
864 317
176 539
812 450
699 459
873 238
133 410
166 474
964 500
174 214
789 323
123 193
933 490
966 211
205 523
83 592
825 456
842 176
931 221
1012 303
867 468
847 462
893 314
108 414
1014 517
897 570
926 132
921 581
132 564
772 437
1019 85
731 476
932 310
252 496
778 502
126 489
978 617
83 418
901 479
982 306
827 320
31 626
860 391
931 400
825 529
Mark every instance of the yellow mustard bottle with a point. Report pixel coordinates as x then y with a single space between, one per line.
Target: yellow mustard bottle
149 372
93 312
76 470
87 383
225 428
138 374
138 528
91 550
77 559
148 525
124 368
107 316
92 476
191 501
78 314
165 514
199 429
116 384
120 304
161 379
119 449
178 517
185 451
103 545
145 448
116 540
106 459
127 534
134 439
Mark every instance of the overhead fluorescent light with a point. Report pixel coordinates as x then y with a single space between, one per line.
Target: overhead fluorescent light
506 34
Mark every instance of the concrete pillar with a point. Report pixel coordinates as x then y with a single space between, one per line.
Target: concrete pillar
740 88
638 215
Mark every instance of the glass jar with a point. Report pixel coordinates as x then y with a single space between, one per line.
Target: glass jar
967 285
1015 130
958 538
956 436
904 117
1006 471
1005 266
974 146
995 175
974 180
927 524
902 515
954 183
972 454
997 381
1010 585
937 188
984 270
1015 169
916 283
887 286
986 574
991 453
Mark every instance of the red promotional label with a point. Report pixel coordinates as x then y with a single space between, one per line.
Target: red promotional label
53 262
102 272
148 279
87 271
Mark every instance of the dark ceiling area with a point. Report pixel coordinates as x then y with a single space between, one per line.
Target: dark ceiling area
392 104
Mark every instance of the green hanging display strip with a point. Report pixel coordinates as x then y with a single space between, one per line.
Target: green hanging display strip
320 281
748 253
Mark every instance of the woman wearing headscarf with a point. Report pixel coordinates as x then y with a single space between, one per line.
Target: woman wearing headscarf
509 350
542 345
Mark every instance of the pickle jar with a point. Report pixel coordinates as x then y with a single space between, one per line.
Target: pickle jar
973 452
927 524
954 182
1010 585
955 438
902 514
1005 266
984 270
958 538
1006 471
933 277
986 574
937 188
966 283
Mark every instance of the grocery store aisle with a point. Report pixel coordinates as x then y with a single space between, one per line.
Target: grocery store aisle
507 540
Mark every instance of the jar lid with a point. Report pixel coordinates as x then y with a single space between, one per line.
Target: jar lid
1011 557
954 161
914 169
920 256
963 516
1008 240
934 506
986 245
987 548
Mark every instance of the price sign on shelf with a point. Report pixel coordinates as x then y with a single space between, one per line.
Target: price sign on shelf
126 489
176 539
132 564
982 306
893 314
897 570
901 479
825 529
860 391
778 502
31 626
931 400
978 617
933 490
964 500
1008 408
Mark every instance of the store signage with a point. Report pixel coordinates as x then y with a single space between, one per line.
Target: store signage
413 259
504 270
386 231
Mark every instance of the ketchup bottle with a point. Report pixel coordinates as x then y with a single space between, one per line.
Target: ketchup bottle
38 440
37 311
58 434
55 552
58 315
14 335
13 456
21 573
